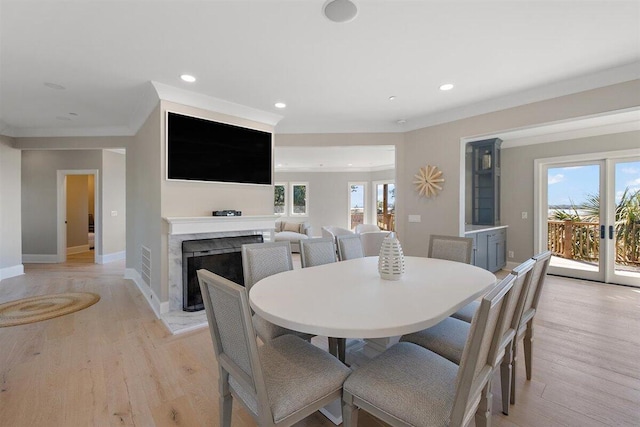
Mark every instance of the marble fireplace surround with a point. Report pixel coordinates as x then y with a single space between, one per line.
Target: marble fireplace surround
194 228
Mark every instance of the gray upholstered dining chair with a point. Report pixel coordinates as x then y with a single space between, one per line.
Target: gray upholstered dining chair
260 260
279 383
320 251
408 385
317 251
372 242
451 248
448 337
349 247
525 328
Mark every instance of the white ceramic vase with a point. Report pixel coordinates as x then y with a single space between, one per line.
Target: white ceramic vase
391 259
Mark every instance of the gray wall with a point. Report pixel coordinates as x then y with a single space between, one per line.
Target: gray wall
328 193
440 145
518 179
10 203
39 197
113 200
40 194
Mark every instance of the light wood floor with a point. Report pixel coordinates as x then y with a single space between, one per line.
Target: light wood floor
114 364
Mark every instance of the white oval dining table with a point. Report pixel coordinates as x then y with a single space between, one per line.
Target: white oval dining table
349 299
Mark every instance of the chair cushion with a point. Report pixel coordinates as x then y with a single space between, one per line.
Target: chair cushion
268 331
466 313
447 338
291 226
297 374
289 236
407 382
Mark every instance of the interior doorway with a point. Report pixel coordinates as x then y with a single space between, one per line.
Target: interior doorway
78 216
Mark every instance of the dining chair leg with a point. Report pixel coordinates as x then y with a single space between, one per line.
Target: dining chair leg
349 411
483 413
225 400
528 348
506 372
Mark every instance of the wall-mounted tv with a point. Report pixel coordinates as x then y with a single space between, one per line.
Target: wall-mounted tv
204 150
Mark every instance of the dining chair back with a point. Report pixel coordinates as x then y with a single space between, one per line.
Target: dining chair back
260 260
409 385
372 242
451 248
333 232
317 251
529 309
448 337
278 383
349 247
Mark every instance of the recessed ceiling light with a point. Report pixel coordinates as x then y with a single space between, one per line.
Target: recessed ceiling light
54 86
401 121
340 10
391 98
447 86
279 165
188 78
280 105
349 164
73 114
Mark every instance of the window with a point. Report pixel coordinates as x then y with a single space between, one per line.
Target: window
357 206
279 198
299 198
385 198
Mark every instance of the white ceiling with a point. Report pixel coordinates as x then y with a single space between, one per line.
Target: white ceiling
333 77
334 159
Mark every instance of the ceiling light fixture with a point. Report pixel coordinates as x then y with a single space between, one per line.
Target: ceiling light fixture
340 10
447 86
280 105
188 78
401 121
392 97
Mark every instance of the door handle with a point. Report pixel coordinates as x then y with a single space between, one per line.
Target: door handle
611 232
602 231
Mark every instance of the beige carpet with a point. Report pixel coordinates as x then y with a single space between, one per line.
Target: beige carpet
43 307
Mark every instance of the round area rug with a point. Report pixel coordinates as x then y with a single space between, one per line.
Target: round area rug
43 307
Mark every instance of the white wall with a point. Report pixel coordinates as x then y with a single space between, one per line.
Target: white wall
440 145
113 200
328 192
10 210
517 183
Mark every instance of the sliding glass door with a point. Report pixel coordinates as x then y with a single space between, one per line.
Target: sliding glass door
590 219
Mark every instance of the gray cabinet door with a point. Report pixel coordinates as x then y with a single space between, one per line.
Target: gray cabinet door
496 253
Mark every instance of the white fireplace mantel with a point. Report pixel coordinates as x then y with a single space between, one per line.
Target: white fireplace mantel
215 224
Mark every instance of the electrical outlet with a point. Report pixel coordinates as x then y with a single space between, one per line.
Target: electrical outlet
114 213
525 215
511 255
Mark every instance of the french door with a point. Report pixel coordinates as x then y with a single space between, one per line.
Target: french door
590 218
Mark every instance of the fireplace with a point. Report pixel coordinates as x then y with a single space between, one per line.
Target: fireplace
220 255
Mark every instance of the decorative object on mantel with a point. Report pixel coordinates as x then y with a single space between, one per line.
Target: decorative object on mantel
428 181
391 258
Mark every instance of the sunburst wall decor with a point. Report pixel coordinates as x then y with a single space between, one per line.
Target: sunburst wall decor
429 181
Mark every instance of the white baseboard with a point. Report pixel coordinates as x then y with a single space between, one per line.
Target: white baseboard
13 271
77 249
158 307
39 259
115 256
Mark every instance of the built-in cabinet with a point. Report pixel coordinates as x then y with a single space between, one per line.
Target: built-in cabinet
489 247
485 181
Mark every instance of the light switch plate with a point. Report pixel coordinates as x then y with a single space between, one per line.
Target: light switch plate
415 218
114 213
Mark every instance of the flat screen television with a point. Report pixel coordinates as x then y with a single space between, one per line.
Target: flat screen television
204 150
